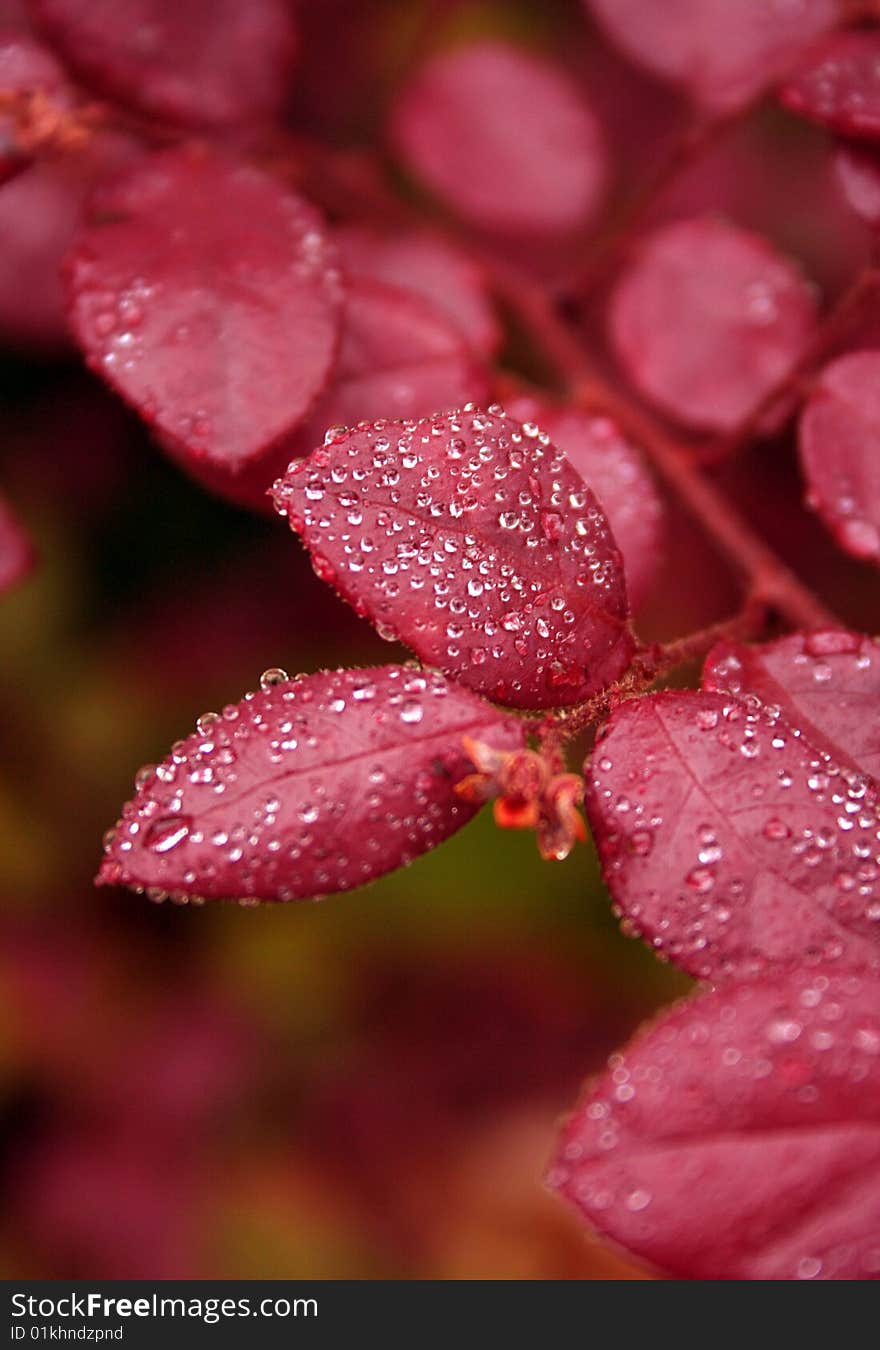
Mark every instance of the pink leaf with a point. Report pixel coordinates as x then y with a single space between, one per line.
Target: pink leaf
708 319
474 541
737 1137
432 268
857 169
503 138
16 552
826 683
219 325
311 785
615 470
730 841
723 52
198 63
399 356
840 452
839 85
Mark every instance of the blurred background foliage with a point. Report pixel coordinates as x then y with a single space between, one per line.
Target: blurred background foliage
366 1087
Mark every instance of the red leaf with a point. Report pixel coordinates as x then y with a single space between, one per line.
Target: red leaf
200 62
219 326
312 785
839 85
840 452
476 543
27 69
399 356
708 319
857 169
615 470
826 683
724 52
16 553
502 137
731 841
737 1137
430 267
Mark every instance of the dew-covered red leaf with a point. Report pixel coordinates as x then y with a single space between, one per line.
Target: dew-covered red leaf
738 1135
723 52
472 540
857 170
308 786
826 683
399 357
708 319
615 470
729 841
502 137
197 63
33 91
839 442
429 266
839 84
207 296
16 552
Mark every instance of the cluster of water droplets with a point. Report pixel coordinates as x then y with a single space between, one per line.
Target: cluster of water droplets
730 841
306 786
162 335
669 1127
472 539
842 87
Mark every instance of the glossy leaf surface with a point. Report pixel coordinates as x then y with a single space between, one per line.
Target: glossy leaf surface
309 786
474 541
220 326
738 1136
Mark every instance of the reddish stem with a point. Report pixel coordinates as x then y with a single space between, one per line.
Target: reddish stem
651 663
767 577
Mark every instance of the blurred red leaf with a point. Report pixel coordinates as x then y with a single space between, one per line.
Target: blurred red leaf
731 840
708 319
502 137
827 684
615 470
312 785
16 552
839 84
723 52
737 1136
840 451
430 266
476 543
399 356
219 325
199 63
